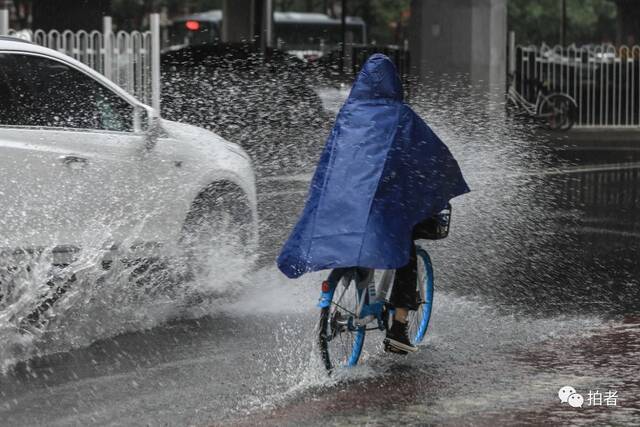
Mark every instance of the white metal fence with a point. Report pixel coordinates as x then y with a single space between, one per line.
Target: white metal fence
130 59
603 79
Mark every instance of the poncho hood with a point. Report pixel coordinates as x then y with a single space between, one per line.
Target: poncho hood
378 79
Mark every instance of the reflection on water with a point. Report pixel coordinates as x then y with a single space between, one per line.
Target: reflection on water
608 195
567 241
604 230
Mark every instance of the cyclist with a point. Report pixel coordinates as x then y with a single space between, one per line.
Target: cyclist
382 172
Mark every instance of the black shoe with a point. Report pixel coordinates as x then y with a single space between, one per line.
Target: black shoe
397 340
389 349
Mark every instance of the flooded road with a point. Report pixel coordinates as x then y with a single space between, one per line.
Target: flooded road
537 288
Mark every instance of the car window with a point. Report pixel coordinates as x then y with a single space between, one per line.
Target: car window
37 91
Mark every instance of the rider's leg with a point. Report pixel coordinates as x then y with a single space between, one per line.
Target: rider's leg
403 298
404 295
401 315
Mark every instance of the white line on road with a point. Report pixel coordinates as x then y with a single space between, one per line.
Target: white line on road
586 169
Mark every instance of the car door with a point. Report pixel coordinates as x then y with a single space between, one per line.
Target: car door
69 156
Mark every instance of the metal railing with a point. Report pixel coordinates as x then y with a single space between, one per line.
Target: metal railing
604 186
604 80
129 59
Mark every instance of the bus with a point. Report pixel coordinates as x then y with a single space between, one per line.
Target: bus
295 32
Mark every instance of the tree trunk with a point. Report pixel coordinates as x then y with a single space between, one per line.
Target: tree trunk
69 14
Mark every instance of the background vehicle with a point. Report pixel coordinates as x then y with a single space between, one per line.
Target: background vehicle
268 105
83 165
307 35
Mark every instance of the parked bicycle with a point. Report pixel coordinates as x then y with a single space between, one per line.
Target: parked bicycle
355 300
555 110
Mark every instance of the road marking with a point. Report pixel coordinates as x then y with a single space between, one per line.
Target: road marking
587 169
599 230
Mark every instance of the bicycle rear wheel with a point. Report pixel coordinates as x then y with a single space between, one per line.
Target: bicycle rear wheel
419 319
339 339
558 112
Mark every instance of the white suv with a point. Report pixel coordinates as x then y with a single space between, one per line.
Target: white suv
82 163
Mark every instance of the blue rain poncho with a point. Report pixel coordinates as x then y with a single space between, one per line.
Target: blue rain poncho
382 171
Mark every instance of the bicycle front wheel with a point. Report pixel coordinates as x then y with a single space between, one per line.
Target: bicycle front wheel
339 339
419 319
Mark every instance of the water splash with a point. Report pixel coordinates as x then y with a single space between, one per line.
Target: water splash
49 308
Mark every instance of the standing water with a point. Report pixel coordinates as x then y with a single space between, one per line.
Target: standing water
536 289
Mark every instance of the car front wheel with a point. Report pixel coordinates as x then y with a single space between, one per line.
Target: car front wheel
219 235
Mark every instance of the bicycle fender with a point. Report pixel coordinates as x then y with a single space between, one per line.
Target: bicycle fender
326 295
325 299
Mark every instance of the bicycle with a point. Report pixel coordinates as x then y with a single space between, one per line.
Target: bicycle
556 110
354 301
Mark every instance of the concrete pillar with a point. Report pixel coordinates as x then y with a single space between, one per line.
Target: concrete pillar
238 21
463 37
4 22
267 23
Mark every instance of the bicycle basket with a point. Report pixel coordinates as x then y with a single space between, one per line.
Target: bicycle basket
434 228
